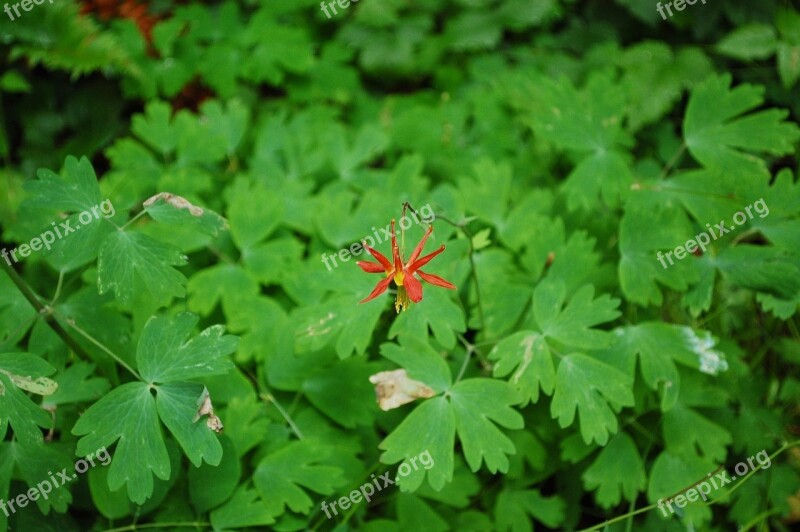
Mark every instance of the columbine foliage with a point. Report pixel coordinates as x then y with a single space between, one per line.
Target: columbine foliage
566 377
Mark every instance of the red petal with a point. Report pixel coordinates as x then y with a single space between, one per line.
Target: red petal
413 288
379 289
421 245
398 264
436 280
387 266
424 260
371 267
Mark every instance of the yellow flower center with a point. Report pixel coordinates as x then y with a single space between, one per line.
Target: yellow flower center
401 302
399 277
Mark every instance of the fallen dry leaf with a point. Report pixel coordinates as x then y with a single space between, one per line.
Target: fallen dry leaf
395 388
179 202
207 409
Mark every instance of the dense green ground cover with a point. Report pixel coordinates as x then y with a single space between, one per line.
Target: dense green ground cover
184 185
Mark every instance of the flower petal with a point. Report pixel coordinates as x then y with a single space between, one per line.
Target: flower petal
379 289
424 260
421 245
436 280
387 266
371 267
413 287
398 263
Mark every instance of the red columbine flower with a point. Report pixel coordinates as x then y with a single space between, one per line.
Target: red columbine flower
408 286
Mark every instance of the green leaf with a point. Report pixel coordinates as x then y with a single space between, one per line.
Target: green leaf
429 427
763 268
127 414
210 485
616 472
685 430
527 354
515 508
656 360
281 476
414 513
166 353
645 231
789 64
748 42
18 372
339 318
228 283
719 137
245 509
253 212
479 404
605 174
156 128
323 388
16 314
246 419
27 372
130 260
481 239
437 312
178 404
288 50
232 122
671 475
596 390
76 385
76 191
570 325
37 463
489 192
13 81
474 409
175 210
421 362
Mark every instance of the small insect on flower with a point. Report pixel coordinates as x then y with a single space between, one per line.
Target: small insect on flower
408 286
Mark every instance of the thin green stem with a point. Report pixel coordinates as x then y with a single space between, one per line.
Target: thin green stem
473 269
793 329
619 518
784 447
129 222
45 312
757 519
722 497
629 524
672 161
58 287
469 349
269 398
127 528
659 188
103 348
353 508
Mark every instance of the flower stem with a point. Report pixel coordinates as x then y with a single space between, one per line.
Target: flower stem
473 269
